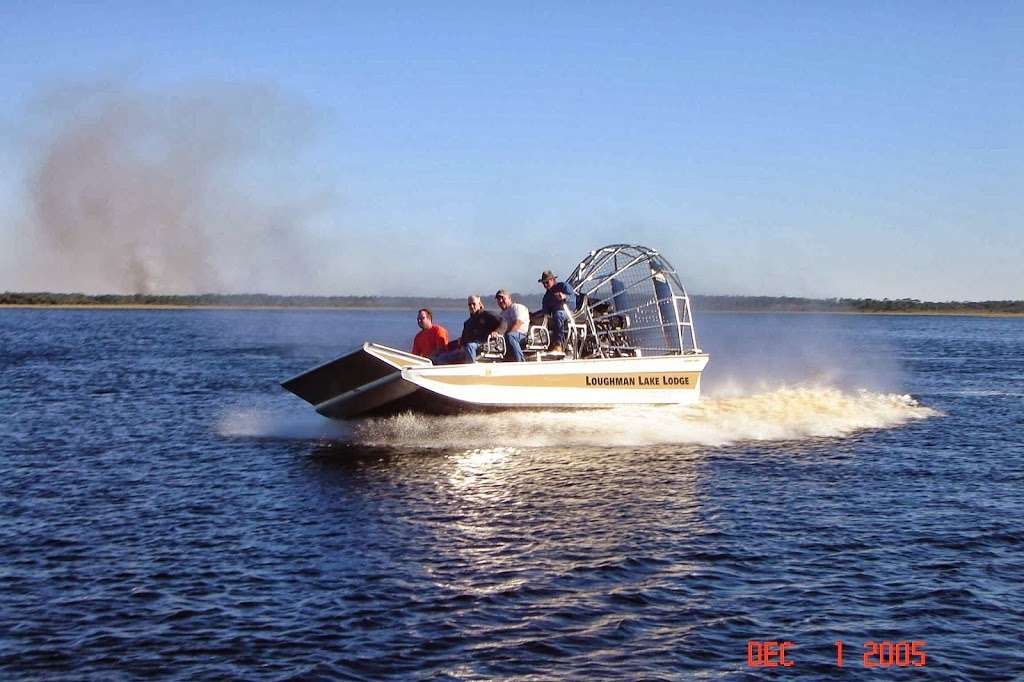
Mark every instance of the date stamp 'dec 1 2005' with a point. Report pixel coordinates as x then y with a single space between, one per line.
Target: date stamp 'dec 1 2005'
885 654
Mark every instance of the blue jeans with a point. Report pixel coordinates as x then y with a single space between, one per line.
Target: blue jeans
514 346
560 322
466 353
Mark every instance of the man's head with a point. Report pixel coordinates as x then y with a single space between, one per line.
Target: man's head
547 279
503 298
425 318
475 304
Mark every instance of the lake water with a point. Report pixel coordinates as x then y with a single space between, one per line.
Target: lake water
167 510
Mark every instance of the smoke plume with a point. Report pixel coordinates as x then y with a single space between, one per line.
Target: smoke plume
181 192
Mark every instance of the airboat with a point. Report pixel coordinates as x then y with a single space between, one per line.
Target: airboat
631 341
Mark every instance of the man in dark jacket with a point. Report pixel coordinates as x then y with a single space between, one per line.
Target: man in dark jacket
556 294
475 331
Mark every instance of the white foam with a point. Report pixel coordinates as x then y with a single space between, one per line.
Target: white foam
254 422
783 414
777 415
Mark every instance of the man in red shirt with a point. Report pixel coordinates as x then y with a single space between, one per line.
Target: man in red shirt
432 339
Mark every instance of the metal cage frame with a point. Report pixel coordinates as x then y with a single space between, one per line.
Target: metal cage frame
622 279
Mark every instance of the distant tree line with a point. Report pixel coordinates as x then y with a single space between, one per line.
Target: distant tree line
242 300
532 301
850 305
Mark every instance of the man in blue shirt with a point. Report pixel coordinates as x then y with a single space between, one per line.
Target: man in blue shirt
555 296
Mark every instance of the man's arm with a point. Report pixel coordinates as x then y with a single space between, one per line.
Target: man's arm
566 294
562 291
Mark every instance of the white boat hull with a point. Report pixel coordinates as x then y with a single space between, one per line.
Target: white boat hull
389 380
582 383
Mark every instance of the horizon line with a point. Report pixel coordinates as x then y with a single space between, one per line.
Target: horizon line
787 297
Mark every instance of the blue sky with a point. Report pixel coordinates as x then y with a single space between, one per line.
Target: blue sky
829 149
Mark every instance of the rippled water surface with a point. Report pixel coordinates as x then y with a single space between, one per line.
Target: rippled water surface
166 510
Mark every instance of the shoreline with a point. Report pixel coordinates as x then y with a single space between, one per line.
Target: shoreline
162 306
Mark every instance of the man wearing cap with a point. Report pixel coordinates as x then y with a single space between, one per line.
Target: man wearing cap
515 319
555 295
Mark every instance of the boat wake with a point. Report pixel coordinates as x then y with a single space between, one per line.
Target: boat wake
259 422
778 415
